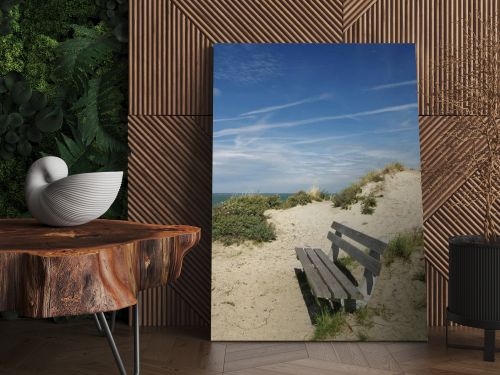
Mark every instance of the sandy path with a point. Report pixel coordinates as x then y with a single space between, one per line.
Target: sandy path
255 294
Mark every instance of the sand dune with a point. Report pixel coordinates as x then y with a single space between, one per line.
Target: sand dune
255 294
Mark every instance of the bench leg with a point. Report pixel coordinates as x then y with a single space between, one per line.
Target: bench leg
349 305
489 345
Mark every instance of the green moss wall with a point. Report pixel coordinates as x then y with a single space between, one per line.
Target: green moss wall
63 91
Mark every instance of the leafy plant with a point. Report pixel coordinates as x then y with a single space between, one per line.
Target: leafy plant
24 116
241 218
115 13
347 197
300 198
80 57
6 9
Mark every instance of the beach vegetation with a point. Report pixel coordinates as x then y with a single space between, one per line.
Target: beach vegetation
368 204
301 198
317 194
352 194
346 262
328 324
402 246
364 316
241 218
372 176
347 197
393 168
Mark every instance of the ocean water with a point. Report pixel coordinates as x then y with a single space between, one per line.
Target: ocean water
221 197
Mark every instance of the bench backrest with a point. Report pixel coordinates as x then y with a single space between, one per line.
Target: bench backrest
370 261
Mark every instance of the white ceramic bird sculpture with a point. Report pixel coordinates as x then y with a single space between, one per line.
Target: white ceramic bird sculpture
56 199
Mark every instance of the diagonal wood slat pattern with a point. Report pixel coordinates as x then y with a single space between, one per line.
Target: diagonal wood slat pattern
171 164
263 21
171 101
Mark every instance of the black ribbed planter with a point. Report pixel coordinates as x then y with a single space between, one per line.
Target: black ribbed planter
474 286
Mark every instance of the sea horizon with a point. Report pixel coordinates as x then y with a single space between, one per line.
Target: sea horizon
218 198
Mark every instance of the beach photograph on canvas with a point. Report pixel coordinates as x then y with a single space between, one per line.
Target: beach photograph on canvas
316 204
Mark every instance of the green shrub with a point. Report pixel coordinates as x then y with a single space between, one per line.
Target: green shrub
300 198
54 18
241 218
402 246
393 167
347 197
12 175
368 205
364 316
328 324
372 176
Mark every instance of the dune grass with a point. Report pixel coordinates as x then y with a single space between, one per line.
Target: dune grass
347 197
300 198
368 204
241 218
402 246
351 194
328 324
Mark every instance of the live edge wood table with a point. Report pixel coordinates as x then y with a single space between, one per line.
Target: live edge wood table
89 269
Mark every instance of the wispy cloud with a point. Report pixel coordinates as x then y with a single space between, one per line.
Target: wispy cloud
237 118
250 67
263 126
287 105
217 92
283 166
391 85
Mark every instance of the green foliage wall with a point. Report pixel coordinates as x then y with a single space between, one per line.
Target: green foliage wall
63 91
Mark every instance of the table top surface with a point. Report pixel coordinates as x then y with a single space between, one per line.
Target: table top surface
29 236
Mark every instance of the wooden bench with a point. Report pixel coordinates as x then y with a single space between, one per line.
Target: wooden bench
327 280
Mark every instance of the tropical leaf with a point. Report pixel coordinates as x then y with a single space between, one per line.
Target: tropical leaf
80 56
75 153
98 112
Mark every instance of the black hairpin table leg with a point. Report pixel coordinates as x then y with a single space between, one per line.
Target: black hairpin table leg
113 323
102 325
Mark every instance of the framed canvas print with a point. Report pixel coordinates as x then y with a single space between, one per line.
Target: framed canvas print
317 208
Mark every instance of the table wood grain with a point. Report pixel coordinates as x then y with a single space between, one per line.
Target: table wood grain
99 266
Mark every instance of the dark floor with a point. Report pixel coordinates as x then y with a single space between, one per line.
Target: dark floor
42 347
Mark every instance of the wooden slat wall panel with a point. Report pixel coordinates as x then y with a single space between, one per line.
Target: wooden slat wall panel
175 59
171 101
264 21
171 162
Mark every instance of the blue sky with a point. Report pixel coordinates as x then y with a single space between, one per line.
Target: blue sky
289 116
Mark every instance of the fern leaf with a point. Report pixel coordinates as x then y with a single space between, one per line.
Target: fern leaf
80 56
98 114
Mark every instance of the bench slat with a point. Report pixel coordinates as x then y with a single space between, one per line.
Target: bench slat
349 287
367 261
331 282
363 239
318 286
